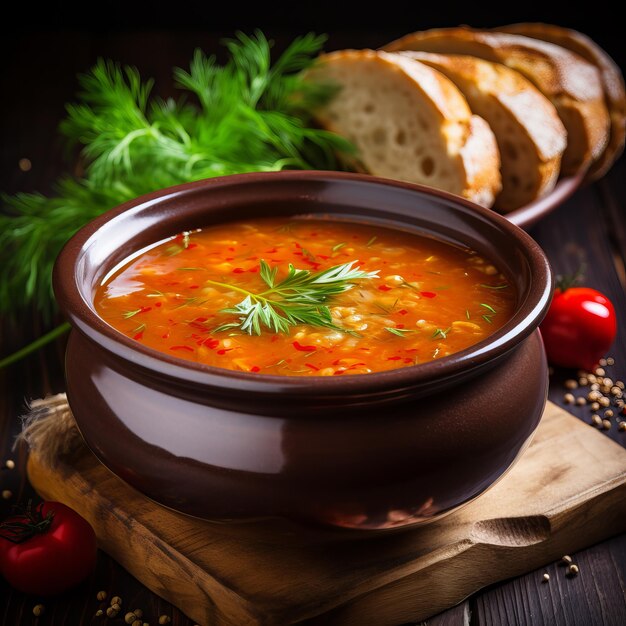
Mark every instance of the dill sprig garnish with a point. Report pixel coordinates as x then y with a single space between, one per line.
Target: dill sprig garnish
247 115
297 299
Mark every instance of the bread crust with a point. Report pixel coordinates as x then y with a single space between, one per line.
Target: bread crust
517 111
470 145
572 84
612 81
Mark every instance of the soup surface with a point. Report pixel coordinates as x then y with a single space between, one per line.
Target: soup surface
218 296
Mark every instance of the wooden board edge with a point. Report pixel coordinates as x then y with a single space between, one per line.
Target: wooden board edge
462 577
152 552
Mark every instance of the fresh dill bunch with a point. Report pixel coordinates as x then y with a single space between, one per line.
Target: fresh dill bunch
297 299
248 115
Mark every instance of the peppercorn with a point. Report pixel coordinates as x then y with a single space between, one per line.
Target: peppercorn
621 426
116 600
164 619
606 424
572 570
129 618
101 595
568 398
10 464
546 577
596 420
566 559
39 609
24 164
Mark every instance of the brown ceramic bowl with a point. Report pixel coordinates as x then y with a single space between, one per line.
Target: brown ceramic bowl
373 451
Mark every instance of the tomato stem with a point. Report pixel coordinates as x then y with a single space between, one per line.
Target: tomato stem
565 281
26 523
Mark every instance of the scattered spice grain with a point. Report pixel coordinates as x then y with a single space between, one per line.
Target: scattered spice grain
580 401
101 595
25 164
572 570
608 413
116 600
545 578
566 559
571 384
7 494
621 426
164 619
111 612
595 406
596 420
99 613
606 424
568 398
129 618
39 609
10 464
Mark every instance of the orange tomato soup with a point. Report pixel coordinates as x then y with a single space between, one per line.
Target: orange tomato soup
427 300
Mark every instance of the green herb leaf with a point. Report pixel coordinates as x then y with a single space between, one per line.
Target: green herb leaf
248 115
400 332
441 333
298 299
502 286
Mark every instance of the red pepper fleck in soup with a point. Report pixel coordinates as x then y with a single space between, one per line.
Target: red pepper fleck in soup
304 297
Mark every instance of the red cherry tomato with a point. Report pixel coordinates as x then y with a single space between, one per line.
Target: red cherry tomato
58 556
579 328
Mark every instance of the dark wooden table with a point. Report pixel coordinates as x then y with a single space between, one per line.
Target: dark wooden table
39 73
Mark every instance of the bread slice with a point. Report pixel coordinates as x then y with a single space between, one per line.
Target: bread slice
612 81
530 135
572 84
409 122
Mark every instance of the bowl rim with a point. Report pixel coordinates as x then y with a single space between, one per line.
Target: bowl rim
84 318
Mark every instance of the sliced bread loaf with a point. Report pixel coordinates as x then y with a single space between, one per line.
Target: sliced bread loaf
409 122
572 84
612 81
530 135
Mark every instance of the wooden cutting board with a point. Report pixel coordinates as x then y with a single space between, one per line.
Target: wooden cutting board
566 492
